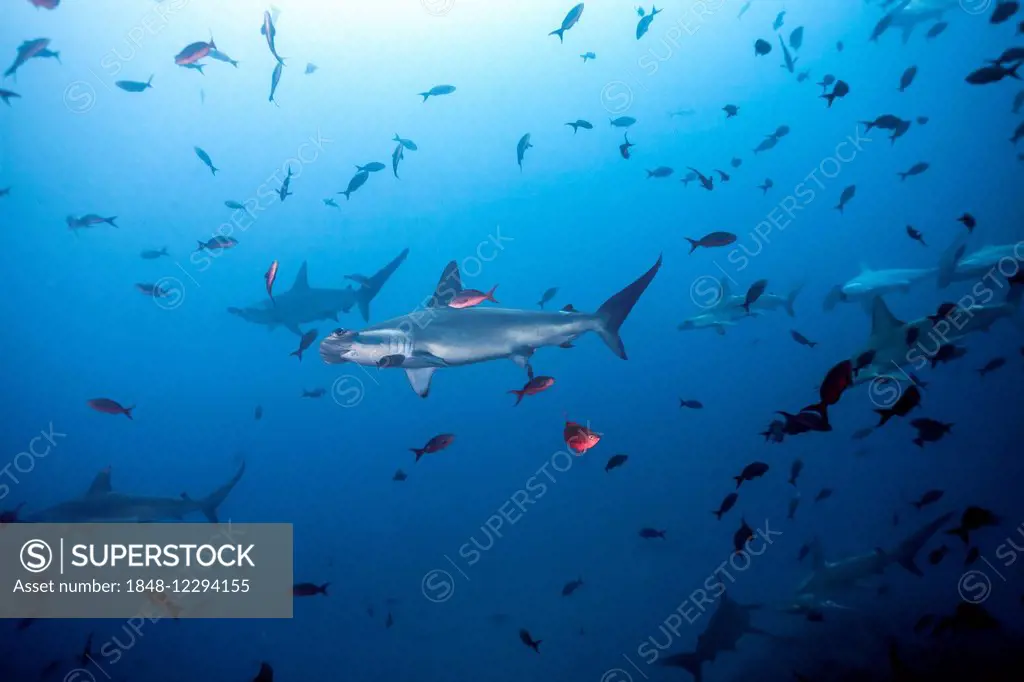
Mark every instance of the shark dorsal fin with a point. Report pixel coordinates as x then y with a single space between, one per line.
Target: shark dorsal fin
882 320
302 279
725 294
447 287
101 484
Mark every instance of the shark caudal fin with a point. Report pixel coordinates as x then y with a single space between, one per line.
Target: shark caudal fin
905 553
949 261
791 299
691 663
209 504
371 286
613 312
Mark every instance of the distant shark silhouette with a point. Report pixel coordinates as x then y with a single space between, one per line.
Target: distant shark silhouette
303 304
442 336
893 356
872 283
831 580
102 504
729 309
729 622
917 12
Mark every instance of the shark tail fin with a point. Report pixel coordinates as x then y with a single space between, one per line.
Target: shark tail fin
614 311
791 299
210 503
370 287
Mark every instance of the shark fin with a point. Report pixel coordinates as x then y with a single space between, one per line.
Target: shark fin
907 550
101 484
301 280
522 357
419 379
949 261
447 287
613 312
209 504
691 662
370 286
294 329
883 321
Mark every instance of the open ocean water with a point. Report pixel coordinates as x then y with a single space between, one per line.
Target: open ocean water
129 279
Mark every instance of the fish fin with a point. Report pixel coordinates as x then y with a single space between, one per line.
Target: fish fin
691 662
614 311
419 379
558 32
360 279
883 321
522 357
294 329
100 484
209 504
448 286
301 283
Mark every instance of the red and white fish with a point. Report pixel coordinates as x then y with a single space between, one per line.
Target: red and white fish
270 276
435 444
579 438
467 298
194 52
534 386
108 406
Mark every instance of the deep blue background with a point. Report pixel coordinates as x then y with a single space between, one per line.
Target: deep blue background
580 218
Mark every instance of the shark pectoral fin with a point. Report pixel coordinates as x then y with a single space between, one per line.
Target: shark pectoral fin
294 329
419 379
430 359
522 357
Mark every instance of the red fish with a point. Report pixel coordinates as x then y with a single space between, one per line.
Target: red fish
108 406
309 589
579 438
270 277
533 387
194 52
435 444
467 298
838 379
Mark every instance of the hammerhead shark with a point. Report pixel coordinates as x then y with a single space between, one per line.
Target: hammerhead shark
729 622
441 336
958 266
907 15
893 356
831 579
729 309
872 283
302 303
101 503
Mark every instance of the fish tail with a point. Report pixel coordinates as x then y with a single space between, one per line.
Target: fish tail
1012 73
739 481
201 245
558 32
346 193
693 244
149 83
110 221
490 294
214 169
614 311
790 300
903 176
323 589
536 645
418 452
519 396
885 415
919 442
424 94
839 207
296 353
128 412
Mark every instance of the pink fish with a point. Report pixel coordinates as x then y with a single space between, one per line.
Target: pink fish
579 438
45 4
435 444
194 52
467 298
270 276
534 386
108 406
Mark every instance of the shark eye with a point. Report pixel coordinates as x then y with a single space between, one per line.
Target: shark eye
339 332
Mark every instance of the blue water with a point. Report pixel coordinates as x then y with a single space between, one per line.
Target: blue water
577 216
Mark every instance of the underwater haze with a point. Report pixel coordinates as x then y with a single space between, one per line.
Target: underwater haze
818 262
